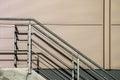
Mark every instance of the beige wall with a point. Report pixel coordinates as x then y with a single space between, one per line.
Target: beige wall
77 21
115 31
55 11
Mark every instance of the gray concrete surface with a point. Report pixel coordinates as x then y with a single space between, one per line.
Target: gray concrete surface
18 74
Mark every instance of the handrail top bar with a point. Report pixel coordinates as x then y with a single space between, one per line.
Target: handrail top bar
18 19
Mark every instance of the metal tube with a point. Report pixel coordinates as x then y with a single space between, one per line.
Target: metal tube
78 69
29 49
16 19
73 66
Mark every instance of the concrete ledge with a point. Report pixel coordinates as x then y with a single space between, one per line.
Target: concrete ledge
18 74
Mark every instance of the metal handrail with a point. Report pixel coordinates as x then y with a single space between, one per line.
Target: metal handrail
94 71
69 59
44 27
16 19
66 43
59 38
73 48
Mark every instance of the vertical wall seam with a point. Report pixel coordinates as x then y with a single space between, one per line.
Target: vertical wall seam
103 33
110 34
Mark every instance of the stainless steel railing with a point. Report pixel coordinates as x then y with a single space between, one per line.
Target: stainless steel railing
31 25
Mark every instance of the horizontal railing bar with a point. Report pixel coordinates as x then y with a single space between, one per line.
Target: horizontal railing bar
16 19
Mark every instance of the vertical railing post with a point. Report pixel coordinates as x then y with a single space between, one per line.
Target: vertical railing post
78 70
73 68
29 49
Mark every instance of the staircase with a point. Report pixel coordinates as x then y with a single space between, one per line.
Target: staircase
50 55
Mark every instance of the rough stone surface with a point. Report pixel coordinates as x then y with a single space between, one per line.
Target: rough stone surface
18 74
